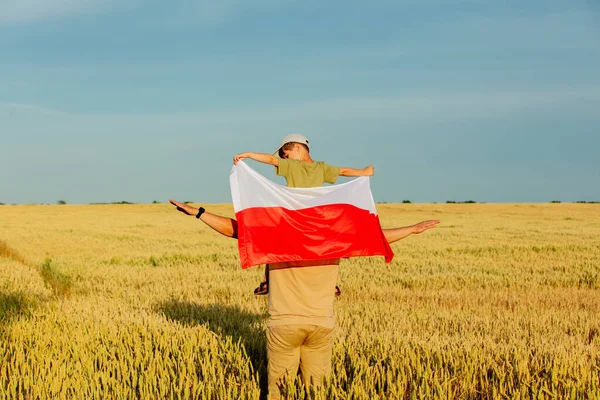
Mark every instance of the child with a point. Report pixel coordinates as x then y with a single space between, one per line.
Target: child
292 161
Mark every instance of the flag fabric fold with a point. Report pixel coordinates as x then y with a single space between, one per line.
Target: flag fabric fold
280 224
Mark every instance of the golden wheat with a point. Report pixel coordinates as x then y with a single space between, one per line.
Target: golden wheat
139 301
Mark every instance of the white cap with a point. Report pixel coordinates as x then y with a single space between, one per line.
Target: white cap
292 137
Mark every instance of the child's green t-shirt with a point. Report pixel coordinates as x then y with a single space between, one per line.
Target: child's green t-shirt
300 174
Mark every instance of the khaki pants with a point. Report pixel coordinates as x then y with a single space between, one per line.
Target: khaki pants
290 346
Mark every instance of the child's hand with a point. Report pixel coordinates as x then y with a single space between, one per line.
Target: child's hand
239 157
369 171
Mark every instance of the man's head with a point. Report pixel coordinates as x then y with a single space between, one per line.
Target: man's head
294 146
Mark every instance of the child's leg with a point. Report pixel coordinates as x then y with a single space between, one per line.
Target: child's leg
263 288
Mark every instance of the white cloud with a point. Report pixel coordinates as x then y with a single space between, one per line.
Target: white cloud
17 109
212 12
176 13
443 107
574 29
25 11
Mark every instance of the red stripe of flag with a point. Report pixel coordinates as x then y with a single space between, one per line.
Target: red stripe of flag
275 234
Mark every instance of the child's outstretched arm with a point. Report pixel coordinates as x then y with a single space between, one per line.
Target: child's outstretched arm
260 157
367 171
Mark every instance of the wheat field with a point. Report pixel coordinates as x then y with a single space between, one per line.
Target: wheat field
500 301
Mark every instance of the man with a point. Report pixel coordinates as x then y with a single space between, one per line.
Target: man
300 329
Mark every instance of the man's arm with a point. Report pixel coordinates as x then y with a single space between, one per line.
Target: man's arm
229 227
367 171
260 157
395 234
225 226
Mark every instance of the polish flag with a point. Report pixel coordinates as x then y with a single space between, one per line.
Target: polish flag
279 224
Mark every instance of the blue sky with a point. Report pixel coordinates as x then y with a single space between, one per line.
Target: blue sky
495 101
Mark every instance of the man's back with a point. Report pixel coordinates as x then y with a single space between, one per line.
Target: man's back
302 293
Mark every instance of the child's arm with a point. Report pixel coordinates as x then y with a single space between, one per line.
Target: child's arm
260 157
367 171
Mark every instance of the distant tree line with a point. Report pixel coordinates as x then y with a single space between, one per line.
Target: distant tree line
62 202
576 202
114 202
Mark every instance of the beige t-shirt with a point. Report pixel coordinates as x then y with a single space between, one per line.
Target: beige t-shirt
303 292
